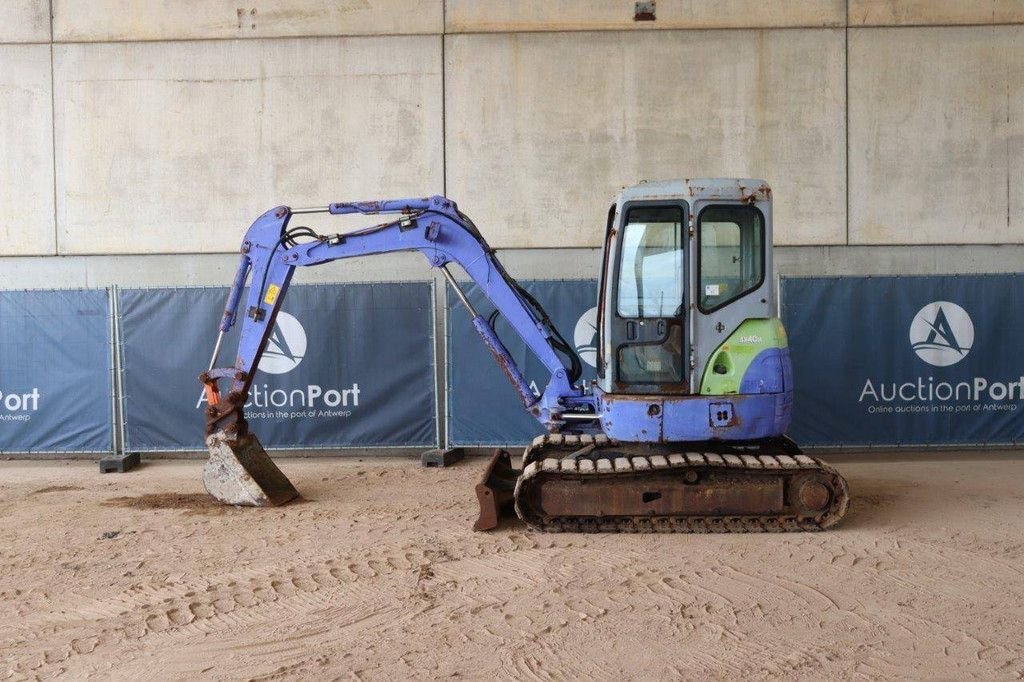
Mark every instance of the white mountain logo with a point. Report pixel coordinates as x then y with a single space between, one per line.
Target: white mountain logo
286 346
942 333
584 337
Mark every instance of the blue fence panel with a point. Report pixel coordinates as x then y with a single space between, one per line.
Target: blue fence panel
922 360
56 391
483 408
347 365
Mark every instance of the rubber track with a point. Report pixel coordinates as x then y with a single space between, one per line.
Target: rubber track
548 456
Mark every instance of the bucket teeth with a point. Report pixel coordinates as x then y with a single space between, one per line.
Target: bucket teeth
240 472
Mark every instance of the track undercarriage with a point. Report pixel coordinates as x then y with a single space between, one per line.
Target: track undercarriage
593 484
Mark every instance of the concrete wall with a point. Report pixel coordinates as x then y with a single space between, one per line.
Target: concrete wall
934 12
24 21
157 131
171 147
469 16
26 150
556 122
127 20
941 161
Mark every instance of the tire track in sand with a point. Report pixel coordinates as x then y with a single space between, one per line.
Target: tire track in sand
226 601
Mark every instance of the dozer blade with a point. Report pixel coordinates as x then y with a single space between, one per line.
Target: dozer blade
240 472
495 491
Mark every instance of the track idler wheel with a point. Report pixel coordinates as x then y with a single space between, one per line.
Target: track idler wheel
814 496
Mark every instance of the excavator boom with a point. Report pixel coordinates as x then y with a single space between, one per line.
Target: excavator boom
433 226
239 470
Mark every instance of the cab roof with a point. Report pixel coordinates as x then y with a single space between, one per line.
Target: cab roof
692 189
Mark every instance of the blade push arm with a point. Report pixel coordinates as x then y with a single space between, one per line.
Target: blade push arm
434 227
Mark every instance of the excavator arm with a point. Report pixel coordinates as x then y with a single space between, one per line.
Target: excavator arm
433 226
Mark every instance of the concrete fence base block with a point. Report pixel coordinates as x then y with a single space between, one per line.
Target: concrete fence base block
119 464
442 458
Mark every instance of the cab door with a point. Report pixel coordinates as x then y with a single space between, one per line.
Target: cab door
731 268
647 306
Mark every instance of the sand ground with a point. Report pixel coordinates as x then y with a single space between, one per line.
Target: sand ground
377 576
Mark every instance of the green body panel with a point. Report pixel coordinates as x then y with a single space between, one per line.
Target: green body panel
738 351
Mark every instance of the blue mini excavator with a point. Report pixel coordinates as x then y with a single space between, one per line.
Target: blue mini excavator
684 429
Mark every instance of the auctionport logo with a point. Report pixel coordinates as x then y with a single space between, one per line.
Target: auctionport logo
286 346
17 406
942 333
584 337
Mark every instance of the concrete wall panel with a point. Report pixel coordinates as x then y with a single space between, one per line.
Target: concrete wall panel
576 15
26 151
937 143
542 129
934 12
24 21
97 20
177 147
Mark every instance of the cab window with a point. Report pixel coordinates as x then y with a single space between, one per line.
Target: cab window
731 254
651 263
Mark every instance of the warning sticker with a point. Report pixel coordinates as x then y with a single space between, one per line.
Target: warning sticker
272 292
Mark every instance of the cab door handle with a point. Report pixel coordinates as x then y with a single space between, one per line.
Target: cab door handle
631 331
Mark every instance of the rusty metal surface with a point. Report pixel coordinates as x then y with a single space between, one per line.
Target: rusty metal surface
663 495
225 413
625 390
626 487
495 491
760 193
507 366
505 361
813 495
644 10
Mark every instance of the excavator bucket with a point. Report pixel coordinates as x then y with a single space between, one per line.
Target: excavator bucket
496 491
240 472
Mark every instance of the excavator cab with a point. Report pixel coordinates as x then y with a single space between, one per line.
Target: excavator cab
685 301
